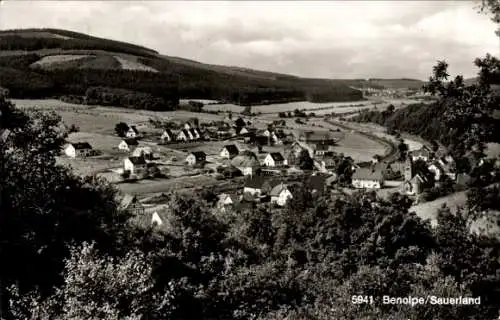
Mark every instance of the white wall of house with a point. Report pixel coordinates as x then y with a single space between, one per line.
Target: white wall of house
70 151
421 157
246 171
269 161
155 219
225 154
196 134
128 166
191 159
436 171
366 184
131 133
123 146
253 191
182 137
166 137
283 197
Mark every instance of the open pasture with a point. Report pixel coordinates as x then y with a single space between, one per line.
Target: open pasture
128 64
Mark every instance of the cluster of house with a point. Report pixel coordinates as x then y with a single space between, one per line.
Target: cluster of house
189 132
274 190
415 181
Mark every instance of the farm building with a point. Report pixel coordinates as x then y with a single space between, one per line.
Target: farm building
128 144
415 182
274 159
315 137
368 178
167 135
196 157
258 186
144 152
183 135
229 151
134 164
132 132
247 162
280 194
130 204
423 153
416 185
80 149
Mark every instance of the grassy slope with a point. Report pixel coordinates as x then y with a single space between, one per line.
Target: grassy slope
214 80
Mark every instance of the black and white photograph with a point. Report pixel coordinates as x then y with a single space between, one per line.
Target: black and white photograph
249 160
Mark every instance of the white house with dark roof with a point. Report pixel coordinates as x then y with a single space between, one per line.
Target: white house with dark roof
128 144
183 135
80 149
229 151
368 178
280 194
167 135
196 157
132 132
145 152
274 159
134 164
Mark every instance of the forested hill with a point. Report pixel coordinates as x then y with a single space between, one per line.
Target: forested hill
39 63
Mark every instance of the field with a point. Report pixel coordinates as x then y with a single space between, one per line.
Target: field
317 108
128 64
96 126
49 60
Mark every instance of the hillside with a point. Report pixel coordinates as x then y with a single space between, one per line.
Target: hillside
38 63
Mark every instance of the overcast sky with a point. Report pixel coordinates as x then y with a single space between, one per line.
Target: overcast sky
333 39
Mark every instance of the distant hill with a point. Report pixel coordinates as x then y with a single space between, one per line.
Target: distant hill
398 83
51 62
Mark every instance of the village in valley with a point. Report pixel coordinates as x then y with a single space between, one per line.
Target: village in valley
249 160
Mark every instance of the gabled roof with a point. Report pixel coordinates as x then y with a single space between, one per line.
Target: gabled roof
231 148
133 128
194 132
167 131
276 156
421 178
81 145
276 191
374 174
137 160
199 155
131 142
